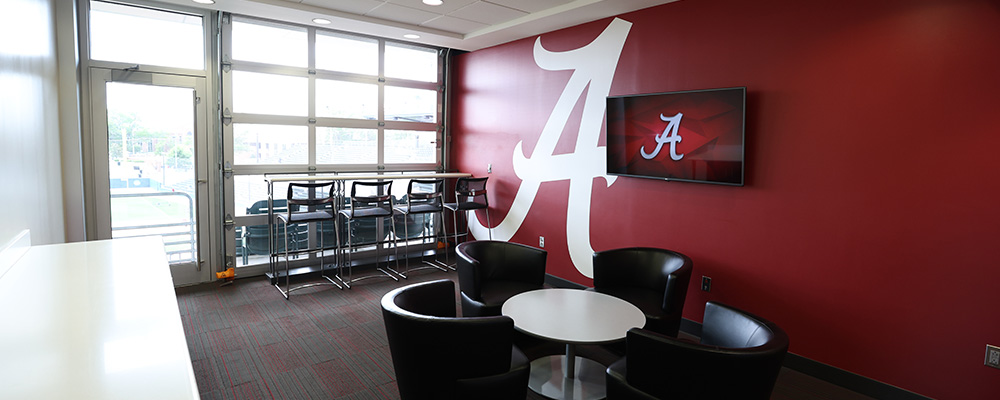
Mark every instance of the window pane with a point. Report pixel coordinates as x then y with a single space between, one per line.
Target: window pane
346 53
346 146
260 42
410 62
339 99
256 93
250 194
144 36
406 104
270 144
410 147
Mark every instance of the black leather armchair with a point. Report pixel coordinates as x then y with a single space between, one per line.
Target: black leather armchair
739 357
655 280
438 356
490 272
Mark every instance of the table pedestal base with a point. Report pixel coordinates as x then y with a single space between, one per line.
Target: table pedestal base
548 378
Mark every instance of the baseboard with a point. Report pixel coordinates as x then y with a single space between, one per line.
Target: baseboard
849 380
843 378
13 250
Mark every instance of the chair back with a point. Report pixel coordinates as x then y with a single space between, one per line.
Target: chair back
664 274
725 326
645 267
424 195
375 198
309 202
498 260
433 351
470 193
310 194
739 357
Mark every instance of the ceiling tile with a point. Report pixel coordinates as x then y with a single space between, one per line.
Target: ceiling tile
350 6
447 7
487 13
393 12
530 5
452 24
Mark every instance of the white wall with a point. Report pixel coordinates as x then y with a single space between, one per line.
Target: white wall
30 165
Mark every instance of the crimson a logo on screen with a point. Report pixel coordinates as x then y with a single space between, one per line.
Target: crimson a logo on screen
669 135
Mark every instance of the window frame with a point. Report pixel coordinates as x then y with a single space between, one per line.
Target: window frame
312 121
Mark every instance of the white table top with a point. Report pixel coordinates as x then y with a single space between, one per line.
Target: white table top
573 316
93 320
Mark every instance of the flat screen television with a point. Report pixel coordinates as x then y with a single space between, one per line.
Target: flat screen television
689 136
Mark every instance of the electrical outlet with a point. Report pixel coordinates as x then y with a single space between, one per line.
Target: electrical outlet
706 283
489 168
992 356
541 241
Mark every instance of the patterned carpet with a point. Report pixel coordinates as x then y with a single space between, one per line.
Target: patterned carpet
248 342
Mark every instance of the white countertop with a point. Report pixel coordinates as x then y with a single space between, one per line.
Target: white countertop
93 320
573 316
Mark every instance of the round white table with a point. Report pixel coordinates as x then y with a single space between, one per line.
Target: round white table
573 317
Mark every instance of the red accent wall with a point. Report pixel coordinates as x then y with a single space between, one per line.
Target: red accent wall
869 226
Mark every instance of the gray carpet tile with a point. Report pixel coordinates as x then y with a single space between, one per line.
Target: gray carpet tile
253 390
300 383
224 341
338 377
318 348
198 346
299 325
265 333
212 320
239 367
207 375
243 314
367 369
353 340
331 320
280 357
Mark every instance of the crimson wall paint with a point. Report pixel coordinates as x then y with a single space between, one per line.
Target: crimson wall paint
870 221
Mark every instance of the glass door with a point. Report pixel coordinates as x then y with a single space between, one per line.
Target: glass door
150 162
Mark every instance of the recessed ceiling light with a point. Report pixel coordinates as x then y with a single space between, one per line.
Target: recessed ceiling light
411 36
205 1
322 21
433 2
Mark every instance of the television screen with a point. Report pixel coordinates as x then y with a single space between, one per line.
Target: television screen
690 136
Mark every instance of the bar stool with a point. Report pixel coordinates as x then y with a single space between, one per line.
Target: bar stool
423 196
470 194
311 196
375 205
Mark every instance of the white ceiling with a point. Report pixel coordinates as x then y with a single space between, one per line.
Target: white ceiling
458 24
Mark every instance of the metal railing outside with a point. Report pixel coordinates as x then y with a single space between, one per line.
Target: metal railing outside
179 238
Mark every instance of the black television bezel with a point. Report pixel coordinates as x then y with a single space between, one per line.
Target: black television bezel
743 129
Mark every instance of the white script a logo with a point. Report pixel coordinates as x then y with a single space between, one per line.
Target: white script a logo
673 124
593 69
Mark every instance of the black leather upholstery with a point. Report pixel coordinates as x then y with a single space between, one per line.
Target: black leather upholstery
655 280
739 357
438 356
490 272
